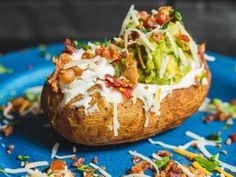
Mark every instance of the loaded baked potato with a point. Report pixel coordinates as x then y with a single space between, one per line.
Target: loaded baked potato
146 81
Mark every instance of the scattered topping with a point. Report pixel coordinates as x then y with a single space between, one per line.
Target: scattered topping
109 53
233 137
4 70
95 160
164 153
23 158
204 170
224 152
7 131
79 162
214 137
228 141
162 162
219 110
122 85
10 148
140 167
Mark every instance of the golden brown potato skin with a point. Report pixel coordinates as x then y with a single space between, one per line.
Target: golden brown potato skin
73 124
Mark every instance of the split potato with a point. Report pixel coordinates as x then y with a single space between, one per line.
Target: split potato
93 129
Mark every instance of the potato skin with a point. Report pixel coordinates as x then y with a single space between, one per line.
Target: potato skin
74 125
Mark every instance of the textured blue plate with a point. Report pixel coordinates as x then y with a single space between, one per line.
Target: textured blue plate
31 138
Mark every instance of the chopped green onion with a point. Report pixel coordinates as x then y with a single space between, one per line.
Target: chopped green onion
178 16
162 162
214 137
23 158
210 164
4 70
76 43
83 168
2 170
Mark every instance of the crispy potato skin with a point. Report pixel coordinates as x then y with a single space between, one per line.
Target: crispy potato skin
74 125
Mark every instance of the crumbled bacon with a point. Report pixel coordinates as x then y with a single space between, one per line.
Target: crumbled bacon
140 167
7 130
164 153
107 52
57 165
124 86
233 137
163 15
78 162
131 72
219 115
135 159
20 104
150 23
157 36
70 46
87 55
171 170
10 148
183 37
201 50
143 15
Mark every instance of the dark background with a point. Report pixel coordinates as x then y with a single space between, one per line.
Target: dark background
26 23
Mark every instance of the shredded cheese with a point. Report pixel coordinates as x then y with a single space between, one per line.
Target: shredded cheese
126 20
198 166
54 150
209 58
172 42
36 164
6 111
185 153
163 66
162 144
185 170
116 124
145 158
223 172
103 172
136 175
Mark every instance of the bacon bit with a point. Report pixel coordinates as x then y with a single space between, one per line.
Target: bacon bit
218 145
70 46
10 149
107 52
172 169
157 36
95 160
233 102
201 50
131 73
150 23
74 158
164 154
183 37
78 162
7 131
124 86
57 165
66 76
53 79
140 167
220 116
143 15
123 54
228 141
135 159
87 55
194 145
224 152
163 15
134 35
20 104
233 137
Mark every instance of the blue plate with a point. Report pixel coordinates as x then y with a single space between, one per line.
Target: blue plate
31 138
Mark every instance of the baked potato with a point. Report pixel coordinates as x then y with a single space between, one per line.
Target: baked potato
121 111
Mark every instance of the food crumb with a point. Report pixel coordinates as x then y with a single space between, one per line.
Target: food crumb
164 153
7 131
218 145
95 160
224 152
228 141
135 159
233 137
10 149
78 162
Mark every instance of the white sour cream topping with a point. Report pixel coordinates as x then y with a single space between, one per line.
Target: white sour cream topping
94 71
